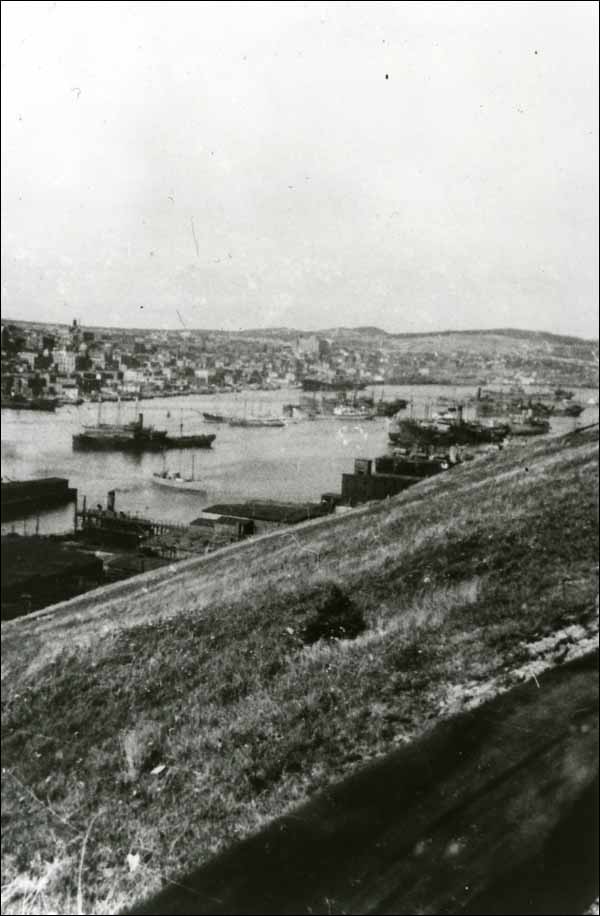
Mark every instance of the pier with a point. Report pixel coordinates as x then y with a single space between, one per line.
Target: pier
26 497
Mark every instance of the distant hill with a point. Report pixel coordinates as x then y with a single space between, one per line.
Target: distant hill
365 331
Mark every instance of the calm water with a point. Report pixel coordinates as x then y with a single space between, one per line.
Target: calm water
298 462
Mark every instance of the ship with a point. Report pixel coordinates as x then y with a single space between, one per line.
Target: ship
568 409
345 412
390 408
121 436
173 480
136 437
20 403
446 431
540 404
190 440
315 383
255 422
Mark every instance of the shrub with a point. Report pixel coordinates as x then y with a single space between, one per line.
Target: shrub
336 618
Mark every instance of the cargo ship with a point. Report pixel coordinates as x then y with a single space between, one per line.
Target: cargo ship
190 440
447 431
121 436
136 437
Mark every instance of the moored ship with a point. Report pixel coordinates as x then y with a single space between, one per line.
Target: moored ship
190 440
121 436
135 436
20 403
315 383
128 437
445 431
255 422
344 412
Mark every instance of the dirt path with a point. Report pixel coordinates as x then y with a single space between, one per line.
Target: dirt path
494 811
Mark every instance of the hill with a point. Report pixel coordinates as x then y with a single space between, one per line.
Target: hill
166 717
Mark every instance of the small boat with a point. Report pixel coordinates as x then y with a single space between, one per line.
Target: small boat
214 418
174 481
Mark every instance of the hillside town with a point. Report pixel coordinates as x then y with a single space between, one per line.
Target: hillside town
74 363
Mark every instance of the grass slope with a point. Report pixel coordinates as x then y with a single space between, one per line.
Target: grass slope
461 581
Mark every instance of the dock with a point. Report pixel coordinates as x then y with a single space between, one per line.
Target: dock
21 498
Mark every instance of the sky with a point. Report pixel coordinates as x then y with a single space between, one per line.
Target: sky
414 166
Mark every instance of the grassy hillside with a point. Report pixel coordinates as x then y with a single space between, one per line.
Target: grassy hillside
451 591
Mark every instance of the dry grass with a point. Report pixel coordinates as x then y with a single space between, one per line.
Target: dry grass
207 674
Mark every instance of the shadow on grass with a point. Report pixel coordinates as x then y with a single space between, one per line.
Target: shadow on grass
490 800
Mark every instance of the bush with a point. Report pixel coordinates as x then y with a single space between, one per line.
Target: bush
336 618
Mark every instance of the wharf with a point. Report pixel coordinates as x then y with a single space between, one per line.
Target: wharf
26 497
145 536
269 514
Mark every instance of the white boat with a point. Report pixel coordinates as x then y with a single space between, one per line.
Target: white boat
352 413
173 480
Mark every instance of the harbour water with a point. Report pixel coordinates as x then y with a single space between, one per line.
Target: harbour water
298 462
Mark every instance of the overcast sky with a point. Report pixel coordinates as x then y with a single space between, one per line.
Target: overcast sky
416 166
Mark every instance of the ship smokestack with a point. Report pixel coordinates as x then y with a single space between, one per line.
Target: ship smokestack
140 420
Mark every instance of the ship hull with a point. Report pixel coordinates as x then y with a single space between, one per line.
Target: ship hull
82 442
187 486
256 423
411 432
15 404
203 440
